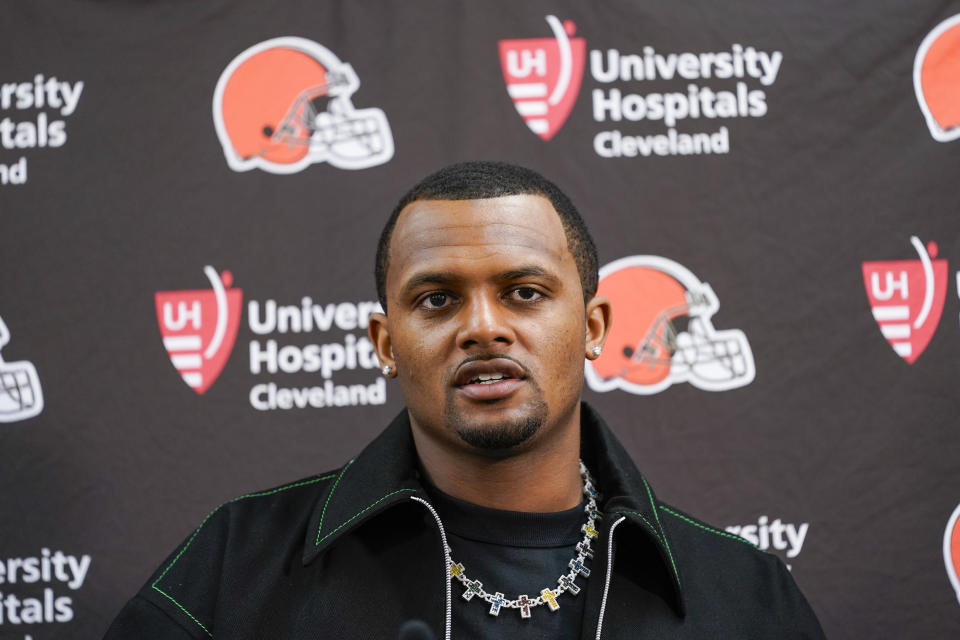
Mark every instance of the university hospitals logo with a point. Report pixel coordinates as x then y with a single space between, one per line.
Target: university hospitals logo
21 396
543 76
199 328
663 332
906 297
936 79
34 115
951 550
284 104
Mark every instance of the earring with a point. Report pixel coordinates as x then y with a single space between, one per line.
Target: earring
596 351
387 370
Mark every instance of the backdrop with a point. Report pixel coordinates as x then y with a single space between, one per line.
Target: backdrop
190 196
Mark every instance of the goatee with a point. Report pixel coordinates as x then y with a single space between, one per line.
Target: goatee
498 435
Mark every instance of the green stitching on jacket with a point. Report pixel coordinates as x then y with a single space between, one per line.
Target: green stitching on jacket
653 529
197 531
166 595
323 513
663 535
725 534
362 511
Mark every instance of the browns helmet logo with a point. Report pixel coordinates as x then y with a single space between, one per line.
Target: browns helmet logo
21 395
936 79
662 333
284 104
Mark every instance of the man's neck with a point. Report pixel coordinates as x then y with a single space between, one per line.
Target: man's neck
543 478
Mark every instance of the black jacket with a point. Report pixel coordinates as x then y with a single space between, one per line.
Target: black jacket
356 552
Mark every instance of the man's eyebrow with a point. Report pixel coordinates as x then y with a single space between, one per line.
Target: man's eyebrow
531 271
445 278
428 277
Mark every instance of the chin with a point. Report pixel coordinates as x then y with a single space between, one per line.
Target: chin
500 433
501 436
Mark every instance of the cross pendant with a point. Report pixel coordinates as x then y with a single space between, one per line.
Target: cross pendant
496 604
550 598
569 585
578 566
473 589
584 549
524 603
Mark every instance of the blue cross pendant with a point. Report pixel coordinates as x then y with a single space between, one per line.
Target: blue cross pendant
496 604
578 566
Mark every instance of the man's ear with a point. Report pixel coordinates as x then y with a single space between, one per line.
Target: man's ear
599 319
379 334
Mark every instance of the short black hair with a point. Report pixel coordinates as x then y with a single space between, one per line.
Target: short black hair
481 179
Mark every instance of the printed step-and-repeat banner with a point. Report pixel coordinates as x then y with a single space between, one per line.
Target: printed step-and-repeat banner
190 196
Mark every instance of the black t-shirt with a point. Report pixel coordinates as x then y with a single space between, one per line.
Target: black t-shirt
514 553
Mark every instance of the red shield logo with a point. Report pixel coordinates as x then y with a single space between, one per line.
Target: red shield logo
199 328
906 297
543 76
951 550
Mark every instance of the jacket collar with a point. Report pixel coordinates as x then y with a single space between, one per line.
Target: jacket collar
386 474
626 493
383 475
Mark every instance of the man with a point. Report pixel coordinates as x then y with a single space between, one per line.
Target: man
472 512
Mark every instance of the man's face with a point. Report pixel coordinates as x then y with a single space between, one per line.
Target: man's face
486 324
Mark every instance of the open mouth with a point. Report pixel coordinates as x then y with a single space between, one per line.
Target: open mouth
489 379
488 372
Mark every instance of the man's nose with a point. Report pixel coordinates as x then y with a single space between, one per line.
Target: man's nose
485 322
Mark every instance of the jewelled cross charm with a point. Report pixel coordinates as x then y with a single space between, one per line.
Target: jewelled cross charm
496 604
524 603
576 565
473 589
550 598
569 585
565 583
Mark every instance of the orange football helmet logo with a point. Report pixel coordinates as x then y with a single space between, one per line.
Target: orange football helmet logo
284 104
936 79
662 333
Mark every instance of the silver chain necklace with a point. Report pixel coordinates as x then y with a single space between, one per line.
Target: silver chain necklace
565 584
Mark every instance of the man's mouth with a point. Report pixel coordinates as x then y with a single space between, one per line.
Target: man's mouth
487 371
489 379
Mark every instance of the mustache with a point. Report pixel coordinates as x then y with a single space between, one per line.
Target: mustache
490 356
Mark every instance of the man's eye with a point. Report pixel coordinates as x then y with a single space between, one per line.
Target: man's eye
436 300
527 294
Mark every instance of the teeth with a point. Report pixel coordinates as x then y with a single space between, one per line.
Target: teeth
488 378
